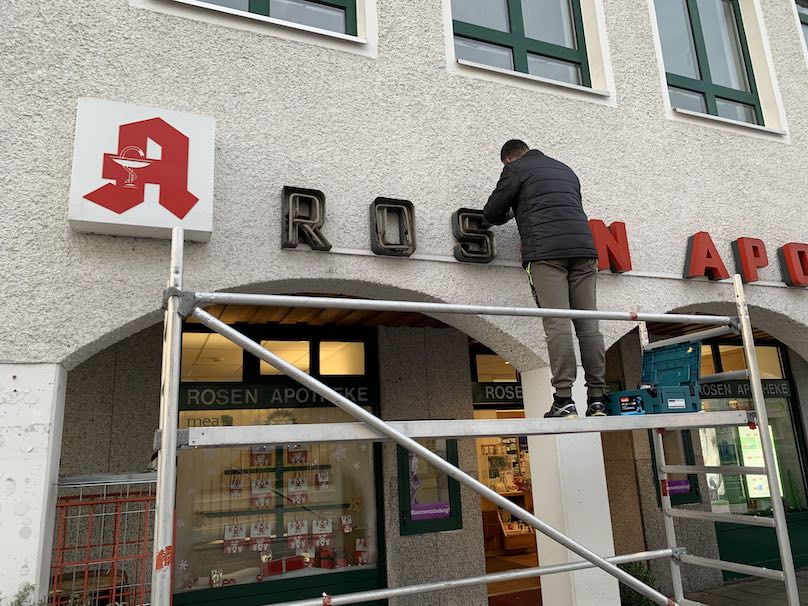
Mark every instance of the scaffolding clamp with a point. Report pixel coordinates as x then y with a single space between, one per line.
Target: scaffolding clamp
678 552
186 300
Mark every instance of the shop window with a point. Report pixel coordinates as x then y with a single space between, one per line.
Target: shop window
683 488
735 446
493 369
273 512
802 10
297 353
429 501
210 357
272 515
538 37
707 60
330 15
342 358
732 358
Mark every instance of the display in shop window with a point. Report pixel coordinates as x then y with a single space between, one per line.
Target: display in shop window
296 454
257 517
262 456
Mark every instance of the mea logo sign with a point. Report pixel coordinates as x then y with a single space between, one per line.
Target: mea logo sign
140 171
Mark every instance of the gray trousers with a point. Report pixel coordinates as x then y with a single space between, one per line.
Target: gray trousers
570 284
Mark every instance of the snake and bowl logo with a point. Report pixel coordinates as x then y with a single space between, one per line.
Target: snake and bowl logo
139 171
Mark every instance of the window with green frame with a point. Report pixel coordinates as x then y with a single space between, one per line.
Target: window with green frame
429 500
332 15
707 59
802 9
538 37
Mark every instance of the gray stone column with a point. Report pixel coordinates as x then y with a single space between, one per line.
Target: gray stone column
424 374
31 408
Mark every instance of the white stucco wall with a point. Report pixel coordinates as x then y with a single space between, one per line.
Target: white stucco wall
294 112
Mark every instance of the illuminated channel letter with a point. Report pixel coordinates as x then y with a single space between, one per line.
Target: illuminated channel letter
750 255
794 263
392 227
703 258
303 213
475 243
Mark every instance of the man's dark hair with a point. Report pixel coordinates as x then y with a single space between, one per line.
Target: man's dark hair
514 147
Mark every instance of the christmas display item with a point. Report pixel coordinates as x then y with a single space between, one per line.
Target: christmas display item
260 536
297 543
322 480
325 558
236 486
235 537
262 456
297 454
297 492
347 523
216 578
261 491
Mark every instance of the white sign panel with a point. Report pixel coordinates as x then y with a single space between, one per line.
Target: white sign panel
139 171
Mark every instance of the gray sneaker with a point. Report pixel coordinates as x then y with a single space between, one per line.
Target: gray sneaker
562 408
596 408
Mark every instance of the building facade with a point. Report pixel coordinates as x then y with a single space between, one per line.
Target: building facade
681 117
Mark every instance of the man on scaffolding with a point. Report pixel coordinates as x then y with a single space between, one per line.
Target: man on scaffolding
558 253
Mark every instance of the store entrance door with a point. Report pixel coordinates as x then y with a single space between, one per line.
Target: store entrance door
504 465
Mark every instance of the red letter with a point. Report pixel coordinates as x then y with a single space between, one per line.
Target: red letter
612 246
703 259
794 263
750 255
131 169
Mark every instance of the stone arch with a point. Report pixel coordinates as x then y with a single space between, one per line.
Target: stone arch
500 333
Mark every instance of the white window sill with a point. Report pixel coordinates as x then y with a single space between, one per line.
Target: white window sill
733 123
532 78
272 21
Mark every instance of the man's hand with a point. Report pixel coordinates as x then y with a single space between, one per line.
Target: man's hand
499 208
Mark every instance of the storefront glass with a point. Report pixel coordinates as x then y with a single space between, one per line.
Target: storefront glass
741 445
273 511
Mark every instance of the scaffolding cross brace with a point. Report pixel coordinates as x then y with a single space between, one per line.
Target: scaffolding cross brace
179 304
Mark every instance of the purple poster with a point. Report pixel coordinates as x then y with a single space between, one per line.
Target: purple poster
429 511
678 486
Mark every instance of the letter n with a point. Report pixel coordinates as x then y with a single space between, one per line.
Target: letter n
303 215
750 255
612 245
703 258
794 263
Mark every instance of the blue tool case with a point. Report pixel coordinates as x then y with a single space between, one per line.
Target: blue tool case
669 383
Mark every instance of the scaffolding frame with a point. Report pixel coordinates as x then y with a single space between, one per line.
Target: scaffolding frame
180 304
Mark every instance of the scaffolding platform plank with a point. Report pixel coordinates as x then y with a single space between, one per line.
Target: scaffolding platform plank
206 437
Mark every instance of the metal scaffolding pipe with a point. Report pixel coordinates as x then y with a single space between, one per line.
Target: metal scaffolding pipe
246 435
719 331
754 571
510 575
720 377
226 298
730 518
767 445
166 488
424 453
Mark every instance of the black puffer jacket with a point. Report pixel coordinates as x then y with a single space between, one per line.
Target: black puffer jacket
545 196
